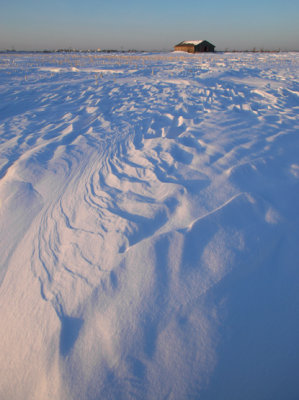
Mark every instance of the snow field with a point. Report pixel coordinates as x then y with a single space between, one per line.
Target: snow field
149 226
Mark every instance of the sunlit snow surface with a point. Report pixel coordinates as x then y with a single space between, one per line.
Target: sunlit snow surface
149 226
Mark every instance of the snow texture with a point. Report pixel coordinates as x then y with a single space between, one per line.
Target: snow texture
149 226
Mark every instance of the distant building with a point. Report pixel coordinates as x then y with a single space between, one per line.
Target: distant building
195 46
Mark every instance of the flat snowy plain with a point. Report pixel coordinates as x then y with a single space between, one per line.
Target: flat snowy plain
149 226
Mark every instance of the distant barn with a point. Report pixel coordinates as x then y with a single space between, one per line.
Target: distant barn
195 46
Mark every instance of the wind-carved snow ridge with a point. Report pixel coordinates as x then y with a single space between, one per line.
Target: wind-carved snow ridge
149 226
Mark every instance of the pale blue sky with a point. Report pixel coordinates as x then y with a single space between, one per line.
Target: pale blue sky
155 24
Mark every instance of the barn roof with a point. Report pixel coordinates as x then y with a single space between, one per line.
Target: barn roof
194 42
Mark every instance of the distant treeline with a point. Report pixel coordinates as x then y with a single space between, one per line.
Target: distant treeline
254 50
73 51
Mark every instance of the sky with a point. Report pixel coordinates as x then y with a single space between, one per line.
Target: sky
148 25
